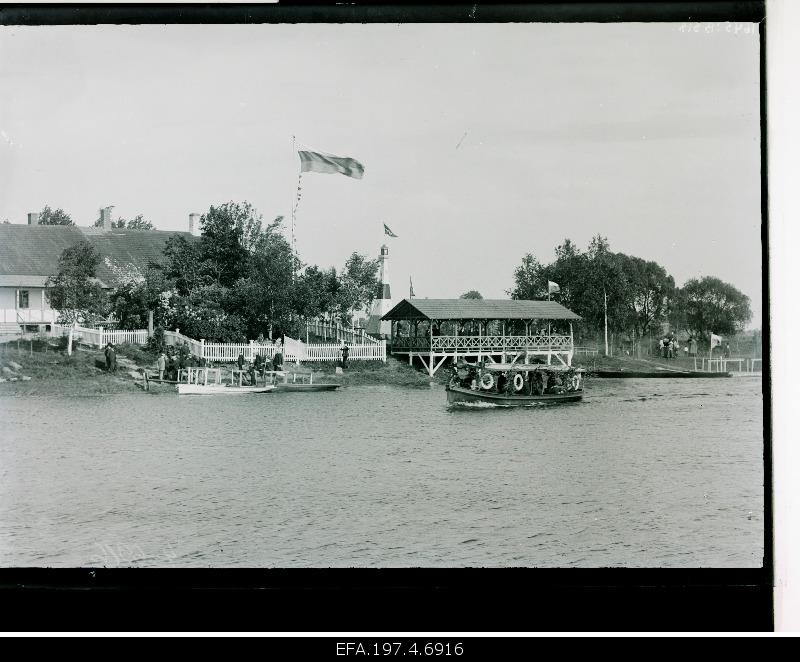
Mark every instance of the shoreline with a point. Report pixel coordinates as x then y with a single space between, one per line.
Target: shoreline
47 370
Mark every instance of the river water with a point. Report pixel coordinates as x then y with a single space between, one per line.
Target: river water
642 473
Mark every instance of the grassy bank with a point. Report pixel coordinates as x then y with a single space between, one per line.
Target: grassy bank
367 373
47 370
52 372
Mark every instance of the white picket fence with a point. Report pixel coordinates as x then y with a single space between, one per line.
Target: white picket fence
297 350
175 338
99 337
338 333
294 351
229 352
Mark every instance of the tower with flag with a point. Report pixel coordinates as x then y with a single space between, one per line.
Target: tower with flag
382 303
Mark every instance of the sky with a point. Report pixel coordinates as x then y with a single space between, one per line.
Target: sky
480 143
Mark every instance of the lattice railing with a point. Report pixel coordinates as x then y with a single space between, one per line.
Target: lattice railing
486 343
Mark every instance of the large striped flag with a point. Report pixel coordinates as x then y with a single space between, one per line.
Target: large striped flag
327 163
388 230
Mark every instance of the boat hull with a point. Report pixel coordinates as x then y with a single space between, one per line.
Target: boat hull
305 388
459 395
221 389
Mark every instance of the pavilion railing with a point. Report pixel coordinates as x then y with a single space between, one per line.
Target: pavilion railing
555 343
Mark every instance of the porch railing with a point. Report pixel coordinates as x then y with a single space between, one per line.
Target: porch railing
555 343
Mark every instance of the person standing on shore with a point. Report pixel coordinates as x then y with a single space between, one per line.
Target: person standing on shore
162 365
345 353
107 353
277 357
112 358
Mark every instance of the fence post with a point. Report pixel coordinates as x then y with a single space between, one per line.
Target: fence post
202 348
250 358
101 336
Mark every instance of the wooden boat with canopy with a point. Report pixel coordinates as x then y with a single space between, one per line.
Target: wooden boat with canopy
514 384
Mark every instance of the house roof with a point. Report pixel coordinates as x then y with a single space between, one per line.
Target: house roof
31 251
491 309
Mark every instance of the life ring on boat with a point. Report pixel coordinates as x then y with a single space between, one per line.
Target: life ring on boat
519 382
487 381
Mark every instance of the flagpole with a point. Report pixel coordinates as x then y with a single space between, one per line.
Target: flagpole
294 202
605 314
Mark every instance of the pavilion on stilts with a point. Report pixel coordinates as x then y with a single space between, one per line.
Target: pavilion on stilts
495 330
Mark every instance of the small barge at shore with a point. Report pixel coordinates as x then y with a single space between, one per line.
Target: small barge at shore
515 384
667 374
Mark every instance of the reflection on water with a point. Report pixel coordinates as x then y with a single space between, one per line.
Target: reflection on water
641 473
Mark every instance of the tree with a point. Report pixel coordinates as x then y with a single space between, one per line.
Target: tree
713 306
58 217
73 290
138 222
358 285
528 281
472 294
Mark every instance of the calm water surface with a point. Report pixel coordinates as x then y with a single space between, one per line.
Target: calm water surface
649 472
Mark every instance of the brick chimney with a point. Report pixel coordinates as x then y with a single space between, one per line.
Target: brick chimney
33 218
194 224
105 216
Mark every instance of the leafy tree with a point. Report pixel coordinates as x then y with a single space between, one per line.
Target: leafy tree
73 290
58 217
472 294
138 222
229 233
713 306
647 295
528 280
358 285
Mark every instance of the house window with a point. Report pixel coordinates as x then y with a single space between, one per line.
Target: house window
24 299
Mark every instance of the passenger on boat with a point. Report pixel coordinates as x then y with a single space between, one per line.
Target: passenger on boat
502 382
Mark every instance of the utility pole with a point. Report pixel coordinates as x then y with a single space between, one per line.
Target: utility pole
605 314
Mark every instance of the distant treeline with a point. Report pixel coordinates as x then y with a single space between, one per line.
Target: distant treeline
639 295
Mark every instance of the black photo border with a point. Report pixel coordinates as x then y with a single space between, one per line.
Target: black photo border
419 599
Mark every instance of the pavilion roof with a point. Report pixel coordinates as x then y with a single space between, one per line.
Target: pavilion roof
490 309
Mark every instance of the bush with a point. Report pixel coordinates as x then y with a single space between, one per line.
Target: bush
155 343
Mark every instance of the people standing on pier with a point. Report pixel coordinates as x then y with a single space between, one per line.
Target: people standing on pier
277 357
172 370
162 365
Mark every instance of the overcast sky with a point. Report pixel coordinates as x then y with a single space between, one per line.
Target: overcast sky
480 142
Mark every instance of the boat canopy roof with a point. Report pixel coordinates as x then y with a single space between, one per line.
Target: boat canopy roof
473 309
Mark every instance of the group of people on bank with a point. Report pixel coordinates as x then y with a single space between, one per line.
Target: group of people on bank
173 360
670 349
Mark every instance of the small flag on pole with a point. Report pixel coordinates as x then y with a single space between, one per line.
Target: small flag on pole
552 287
327 163
388 230
716 341
410 288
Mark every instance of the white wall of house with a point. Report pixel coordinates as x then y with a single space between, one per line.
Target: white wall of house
38 309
